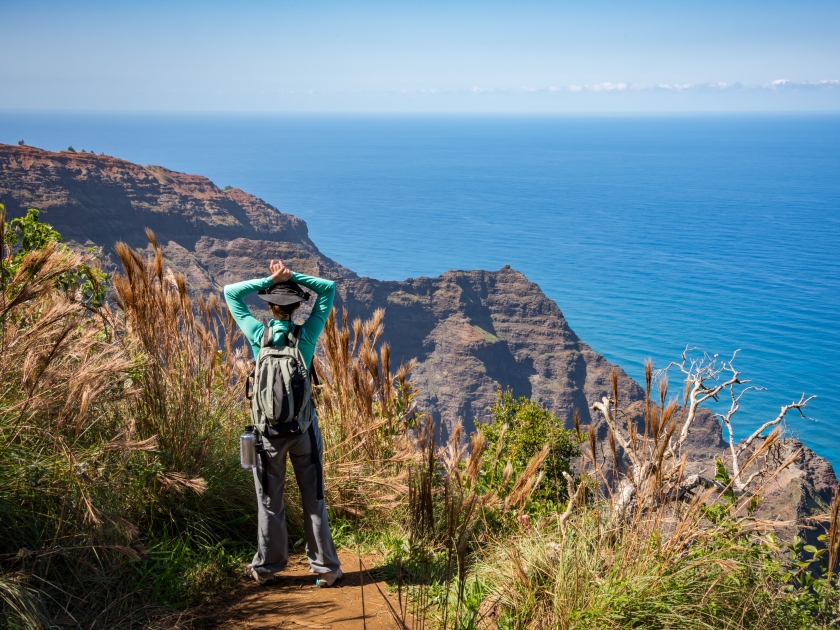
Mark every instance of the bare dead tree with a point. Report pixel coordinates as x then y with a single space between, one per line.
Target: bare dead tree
657 458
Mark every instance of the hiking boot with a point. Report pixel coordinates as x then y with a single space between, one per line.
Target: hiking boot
325 580
258 577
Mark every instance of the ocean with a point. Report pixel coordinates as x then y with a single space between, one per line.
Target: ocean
651 233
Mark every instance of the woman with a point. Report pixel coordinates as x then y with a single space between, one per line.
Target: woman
284 292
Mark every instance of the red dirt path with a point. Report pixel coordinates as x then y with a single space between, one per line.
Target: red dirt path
294 602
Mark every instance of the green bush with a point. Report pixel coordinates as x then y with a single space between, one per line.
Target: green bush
29 234
520 429
184 571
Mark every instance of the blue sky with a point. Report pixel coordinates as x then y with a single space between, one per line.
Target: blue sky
594 56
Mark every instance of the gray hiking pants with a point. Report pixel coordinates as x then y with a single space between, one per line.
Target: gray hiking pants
272 537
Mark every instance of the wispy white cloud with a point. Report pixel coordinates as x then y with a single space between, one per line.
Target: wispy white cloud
607 87
785 84
712 86
625 86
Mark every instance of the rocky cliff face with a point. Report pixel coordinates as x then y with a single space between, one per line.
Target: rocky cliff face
471 331
208 233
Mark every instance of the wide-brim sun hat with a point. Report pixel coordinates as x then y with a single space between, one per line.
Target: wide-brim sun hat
284 293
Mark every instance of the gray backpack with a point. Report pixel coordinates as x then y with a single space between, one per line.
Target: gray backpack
281 405
281 402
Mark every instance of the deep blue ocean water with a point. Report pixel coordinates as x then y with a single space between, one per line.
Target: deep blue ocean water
650 233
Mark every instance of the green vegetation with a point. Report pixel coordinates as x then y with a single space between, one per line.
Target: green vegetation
28 234
115 438
520 429
122 502
121 495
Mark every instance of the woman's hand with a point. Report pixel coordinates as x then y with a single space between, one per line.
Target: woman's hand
279 271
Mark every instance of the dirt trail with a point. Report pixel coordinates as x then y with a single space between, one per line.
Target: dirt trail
293 601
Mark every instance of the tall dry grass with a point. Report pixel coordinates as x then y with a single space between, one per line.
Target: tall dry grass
386 472
117 432
190 364
60 523
365 412
669 558
457 504
119 427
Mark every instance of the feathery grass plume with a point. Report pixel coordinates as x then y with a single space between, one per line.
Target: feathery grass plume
614 450
833 535
59 372
648 383
506 473
189 390
476 453
590 433
614 383
365 413
527 481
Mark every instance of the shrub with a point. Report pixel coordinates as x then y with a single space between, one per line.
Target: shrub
520 429
29 234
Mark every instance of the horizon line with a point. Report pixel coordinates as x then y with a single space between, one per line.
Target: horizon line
380 112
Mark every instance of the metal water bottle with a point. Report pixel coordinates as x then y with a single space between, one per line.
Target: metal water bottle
247 448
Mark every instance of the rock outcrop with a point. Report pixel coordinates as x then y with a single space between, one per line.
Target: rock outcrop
471 331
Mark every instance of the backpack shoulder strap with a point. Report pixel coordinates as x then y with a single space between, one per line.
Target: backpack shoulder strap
292 336
267 336
313 375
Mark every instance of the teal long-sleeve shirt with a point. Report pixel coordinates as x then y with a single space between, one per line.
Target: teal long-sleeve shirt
253 328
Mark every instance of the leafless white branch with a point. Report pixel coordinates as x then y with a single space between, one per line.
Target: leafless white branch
799 406
605 407
657 464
